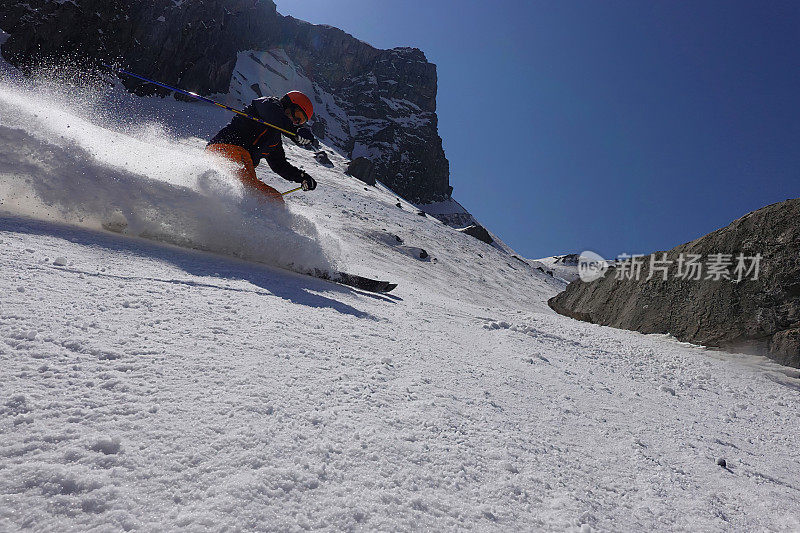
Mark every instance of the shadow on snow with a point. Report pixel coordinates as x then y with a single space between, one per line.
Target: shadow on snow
277 282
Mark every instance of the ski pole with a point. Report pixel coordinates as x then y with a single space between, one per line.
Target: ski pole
203 98
295 189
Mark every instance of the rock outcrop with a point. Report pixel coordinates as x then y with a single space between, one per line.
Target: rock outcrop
363 169
479 232
389 96
752 315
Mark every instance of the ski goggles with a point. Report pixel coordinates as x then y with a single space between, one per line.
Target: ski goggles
298 116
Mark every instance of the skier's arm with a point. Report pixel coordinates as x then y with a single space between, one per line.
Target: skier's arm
276 160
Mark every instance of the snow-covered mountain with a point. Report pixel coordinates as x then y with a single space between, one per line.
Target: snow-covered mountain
148 386
564 266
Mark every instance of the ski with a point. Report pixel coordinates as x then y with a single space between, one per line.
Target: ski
354 281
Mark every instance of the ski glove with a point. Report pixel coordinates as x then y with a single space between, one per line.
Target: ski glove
309 183
304 137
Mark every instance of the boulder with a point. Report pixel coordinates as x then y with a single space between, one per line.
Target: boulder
479 232
322 158
363 169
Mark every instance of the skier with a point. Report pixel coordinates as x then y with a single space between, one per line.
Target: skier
246 141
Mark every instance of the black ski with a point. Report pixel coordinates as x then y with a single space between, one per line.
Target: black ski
357 282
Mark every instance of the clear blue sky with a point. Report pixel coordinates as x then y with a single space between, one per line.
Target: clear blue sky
613 126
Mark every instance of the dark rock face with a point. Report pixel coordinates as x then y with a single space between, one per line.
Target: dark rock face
479 232
193 44
391 94
756 316
362 169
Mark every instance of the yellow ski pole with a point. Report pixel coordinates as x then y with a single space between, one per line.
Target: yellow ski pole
293 190
203 99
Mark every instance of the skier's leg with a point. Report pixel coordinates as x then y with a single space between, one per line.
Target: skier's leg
245 170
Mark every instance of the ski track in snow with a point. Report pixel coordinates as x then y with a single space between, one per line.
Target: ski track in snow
149 387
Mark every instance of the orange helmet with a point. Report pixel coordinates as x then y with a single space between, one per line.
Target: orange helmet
300 100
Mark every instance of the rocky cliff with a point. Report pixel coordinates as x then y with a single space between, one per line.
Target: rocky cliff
378 104
751 315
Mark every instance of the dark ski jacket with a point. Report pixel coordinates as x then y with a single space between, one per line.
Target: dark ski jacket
260 140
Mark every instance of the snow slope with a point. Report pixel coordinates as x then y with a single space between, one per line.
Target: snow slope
145 386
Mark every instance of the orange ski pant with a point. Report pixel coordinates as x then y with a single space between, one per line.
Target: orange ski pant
245 170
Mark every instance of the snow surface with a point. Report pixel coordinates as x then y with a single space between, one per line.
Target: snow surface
145 386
